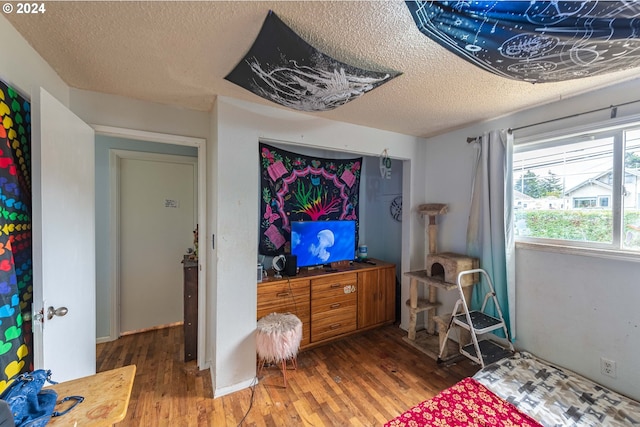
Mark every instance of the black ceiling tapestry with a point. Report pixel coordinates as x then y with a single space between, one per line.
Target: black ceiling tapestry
283 68
536 41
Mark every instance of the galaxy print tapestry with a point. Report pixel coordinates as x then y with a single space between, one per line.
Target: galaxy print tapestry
283 68
295 187
16 278
536 41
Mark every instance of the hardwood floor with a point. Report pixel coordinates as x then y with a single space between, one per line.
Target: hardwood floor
362 380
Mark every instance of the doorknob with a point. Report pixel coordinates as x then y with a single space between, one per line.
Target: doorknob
60 311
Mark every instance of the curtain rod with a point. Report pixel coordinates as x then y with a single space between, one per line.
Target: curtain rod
613 108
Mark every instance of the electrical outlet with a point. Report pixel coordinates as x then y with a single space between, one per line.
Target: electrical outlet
608 367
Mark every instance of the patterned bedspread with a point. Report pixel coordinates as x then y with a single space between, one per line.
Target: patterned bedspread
467 403
557 397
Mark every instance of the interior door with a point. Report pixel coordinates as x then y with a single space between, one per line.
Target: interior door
63 233
157 201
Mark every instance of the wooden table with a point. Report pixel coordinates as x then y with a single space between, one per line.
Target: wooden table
106 398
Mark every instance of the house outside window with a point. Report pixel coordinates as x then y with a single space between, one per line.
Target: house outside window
581 189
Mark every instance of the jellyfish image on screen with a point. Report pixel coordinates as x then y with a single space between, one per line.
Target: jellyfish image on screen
322 242
325 240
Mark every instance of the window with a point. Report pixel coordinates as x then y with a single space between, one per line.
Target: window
580 190
584 202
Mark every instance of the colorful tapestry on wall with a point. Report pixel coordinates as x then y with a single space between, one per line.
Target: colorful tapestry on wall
295 187
16 281
536 41
283 68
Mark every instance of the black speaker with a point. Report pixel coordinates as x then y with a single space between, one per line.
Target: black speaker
291 265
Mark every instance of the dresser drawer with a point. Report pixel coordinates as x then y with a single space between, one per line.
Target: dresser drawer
328 305
331 324
334 286
287 297
282 294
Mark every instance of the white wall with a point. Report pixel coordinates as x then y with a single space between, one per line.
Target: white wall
571 309
112 110
212 244
23 69
382 234
575 309
240 126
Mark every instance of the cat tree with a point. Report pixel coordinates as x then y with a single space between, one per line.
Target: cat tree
440 273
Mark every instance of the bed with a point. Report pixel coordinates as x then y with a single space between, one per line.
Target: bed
523 390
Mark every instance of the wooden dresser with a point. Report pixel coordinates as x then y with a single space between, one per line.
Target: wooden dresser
333 304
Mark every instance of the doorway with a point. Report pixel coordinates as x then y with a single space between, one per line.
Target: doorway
108 325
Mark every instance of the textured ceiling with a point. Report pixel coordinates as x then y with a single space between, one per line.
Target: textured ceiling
179 52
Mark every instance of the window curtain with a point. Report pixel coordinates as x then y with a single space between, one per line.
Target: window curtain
490 228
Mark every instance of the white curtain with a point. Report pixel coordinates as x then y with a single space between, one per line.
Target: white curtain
490 228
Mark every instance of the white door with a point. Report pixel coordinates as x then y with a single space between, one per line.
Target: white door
63 229
157 199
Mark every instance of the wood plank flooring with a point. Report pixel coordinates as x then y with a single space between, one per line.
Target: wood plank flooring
362 380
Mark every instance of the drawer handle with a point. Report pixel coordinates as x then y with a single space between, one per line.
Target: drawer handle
336 285
336 305
282 294
335 326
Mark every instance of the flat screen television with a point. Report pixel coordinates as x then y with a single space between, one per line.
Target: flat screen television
323 242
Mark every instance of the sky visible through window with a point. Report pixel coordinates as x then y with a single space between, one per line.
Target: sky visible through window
573 163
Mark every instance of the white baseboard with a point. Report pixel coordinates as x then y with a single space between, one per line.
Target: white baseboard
205 365
104 339
233 388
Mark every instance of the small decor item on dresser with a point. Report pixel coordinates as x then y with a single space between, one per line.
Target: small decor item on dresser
290 265
259 273
278 264
30 405
363 251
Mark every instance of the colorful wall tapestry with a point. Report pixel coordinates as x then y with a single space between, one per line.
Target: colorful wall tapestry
283 68
536 41
295 187
16 282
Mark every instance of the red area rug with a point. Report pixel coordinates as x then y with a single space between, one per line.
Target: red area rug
466 404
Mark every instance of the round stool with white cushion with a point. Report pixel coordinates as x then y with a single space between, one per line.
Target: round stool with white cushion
278 340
